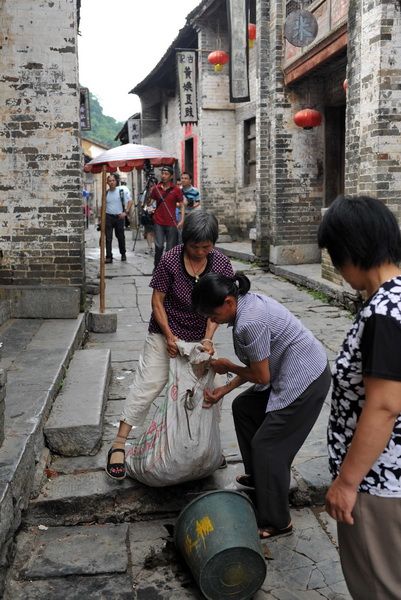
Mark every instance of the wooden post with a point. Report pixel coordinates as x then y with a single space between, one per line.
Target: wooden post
102 241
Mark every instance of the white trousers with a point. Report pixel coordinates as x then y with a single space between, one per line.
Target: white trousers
150 378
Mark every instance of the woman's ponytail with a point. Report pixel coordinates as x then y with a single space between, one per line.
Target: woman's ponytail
244 285
213 288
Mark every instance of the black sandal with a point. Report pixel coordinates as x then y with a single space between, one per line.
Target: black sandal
246 481
115 470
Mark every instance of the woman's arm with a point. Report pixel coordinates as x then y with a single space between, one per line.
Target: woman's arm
257 372
372 433
207 341
213 396
160 315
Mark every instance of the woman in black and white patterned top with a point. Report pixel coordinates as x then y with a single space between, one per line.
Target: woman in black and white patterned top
364 433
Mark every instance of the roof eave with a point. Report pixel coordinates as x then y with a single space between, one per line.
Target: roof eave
183 35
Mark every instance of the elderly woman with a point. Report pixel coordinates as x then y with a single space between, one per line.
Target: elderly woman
289 370
363 240
173 318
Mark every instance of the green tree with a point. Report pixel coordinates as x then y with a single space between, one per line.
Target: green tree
103 128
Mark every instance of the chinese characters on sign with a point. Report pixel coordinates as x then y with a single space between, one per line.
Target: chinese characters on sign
186 68
238 31
84 109
134 131
300 28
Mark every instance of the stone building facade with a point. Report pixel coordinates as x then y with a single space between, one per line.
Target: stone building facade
214 148
373 131
41 226
356 150
298 172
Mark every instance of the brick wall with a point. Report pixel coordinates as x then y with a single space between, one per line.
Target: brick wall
245 194
41 227
373 151
217 156
3 381
290 164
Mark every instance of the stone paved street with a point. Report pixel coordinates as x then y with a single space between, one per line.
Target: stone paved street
87 536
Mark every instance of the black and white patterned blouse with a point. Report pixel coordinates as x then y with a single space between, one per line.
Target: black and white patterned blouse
372 347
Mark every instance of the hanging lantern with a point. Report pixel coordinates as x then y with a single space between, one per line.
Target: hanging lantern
251 34
345 85
218 58
308 118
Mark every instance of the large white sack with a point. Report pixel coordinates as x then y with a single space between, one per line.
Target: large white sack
182 442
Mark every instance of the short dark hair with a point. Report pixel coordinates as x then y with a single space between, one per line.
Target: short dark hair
116 176
213 288
360 230
200 226
187 173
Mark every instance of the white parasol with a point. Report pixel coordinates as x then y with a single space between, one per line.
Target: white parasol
125 158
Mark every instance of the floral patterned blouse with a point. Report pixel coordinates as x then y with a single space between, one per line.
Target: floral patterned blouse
372 347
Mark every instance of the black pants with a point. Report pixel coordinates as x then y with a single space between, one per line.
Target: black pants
269 442
118 225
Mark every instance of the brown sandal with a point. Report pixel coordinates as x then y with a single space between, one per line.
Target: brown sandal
265 533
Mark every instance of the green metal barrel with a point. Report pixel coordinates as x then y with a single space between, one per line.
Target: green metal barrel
218 536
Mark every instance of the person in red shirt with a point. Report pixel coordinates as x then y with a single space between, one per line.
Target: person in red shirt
166 195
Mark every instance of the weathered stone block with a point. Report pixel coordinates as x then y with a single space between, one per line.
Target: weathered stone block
75 424
43 302
102 322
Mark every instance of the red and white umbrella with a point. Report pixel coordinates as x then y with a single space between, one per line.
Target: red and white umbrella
128 157
125 158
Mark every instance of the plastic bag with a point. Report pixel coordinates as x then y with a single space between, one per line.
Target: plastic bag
182 442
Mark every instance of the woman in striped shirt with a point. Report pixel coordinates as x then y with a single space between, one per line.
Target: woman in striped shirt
291 378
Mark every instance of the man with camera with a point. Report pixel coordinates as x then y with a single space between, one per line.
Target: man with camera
166 195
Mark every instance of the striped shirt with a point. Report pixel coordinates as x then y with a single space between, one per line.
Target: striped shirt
262 329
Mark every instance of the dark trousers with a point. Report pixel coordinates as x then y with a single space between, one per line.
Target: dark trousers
164 234
269 442
118 225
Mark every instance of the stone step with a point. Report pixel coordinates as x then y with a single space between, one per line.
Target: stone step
84 496
36 354
79 493
75 424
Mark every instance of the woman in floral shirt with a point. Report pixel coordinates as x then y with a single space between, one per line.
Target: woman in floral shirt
364 433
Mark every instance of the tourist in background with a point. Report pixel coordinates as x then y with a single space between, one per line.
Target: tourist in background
117 208
191 193
166 195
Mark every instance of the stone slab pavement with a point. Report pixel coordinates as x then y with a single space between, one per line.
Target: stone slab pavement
78 493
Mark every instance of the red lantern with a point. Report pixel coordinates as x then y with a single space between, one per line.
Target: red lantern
251 34
218 58
308 118
345 85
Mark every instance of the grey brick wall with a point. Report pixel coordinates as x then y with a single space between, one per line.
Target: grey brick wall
3 381
290 173
373 151
41 225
